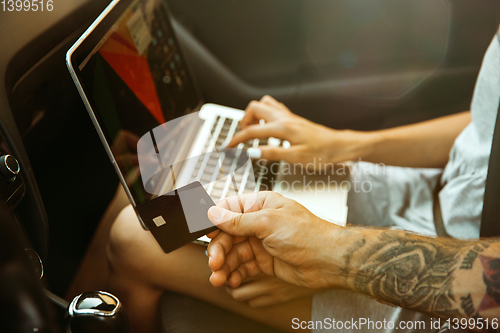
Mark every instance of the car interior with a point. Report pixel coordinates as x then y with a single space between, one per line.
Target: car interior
356 64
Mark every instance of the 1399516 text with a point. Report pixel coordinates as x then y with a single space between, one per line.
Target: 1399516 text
27 5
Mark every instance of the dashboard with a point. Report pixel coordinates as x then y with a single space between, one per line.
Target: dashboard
38 107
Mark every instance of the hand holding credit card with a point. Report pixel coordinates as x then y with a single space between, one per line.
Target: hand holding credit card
178 217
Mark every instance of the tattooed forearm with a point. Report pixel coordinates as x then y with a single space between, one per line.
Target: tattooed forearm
421 273
441 276
412 274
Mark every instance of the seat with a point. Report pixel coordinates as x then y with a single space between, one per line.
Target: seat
183 314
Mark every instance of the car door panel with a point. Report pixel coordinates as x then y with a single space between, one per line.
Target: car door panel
359 64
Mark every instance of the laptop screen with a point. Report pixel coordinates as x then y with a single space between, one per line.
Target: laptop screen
135 78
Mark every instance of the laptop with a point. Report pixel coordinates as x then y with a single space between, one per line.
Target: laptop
135 83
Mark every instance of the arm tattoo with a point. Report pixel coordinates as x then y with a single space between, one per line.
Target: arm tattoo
417 273
347 257
411 273
469 258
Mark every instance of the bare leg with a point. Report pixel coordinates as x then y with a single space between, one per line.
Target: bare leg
93 271
140 271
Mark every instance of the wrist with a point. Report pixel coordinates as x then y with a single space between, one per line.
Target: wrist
369 143
337 254
359 145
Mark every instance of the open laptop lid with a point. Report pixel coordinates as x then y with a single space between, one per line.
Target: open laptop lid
132 77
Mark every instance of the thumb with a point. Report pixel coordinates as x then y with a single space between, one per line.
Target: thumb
235 224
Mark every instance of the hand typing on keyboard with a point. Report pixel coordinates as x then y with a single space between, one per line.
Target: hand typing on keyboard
229 171
311 143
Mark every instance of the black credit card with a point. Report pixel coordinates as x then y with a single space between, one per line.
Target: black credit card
179 217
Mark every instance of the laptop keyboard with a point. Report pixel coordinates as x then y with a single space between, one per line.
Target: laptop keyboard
218 177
